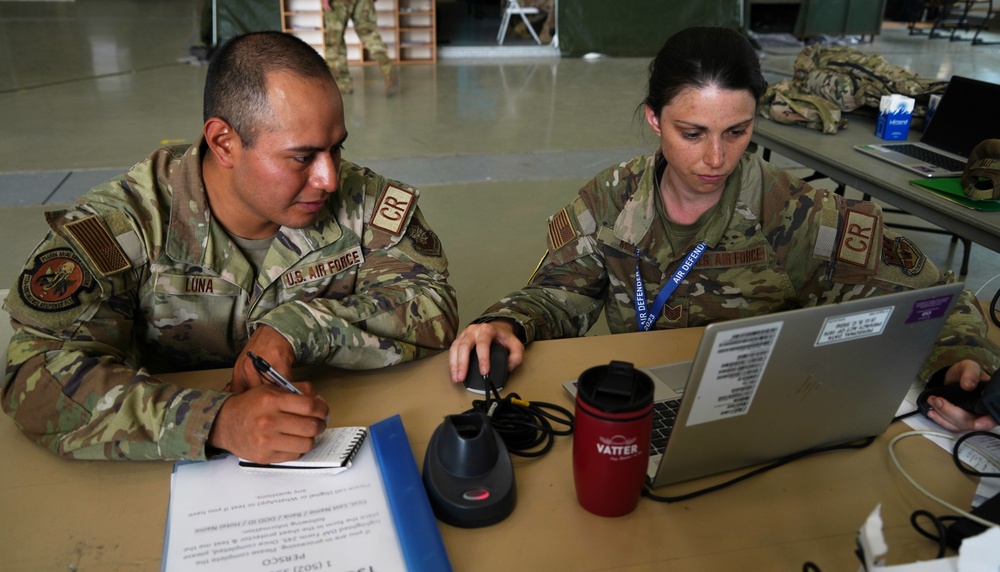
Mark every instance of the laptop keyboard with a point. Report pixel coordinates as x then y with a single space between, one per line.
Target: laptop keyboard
928 156
664 416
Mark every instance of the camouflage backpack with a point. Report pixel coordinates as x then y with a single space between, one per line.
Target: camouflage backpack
829 80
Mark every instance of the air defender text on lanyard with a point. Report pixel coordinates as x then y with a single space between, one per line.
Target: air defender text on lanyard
648 317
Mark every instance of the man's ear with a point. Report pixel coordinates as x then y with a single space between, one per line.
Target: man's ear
652 119
222 140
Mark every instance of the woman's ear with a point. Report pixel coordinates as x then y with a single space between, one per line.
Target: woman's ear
222 140
652 119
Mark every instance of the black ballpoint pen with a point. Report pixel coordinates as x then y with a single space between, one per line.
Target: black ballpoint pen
265 369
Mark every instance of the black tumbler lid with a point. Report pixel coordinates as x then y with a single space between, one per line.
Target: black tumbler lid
615 388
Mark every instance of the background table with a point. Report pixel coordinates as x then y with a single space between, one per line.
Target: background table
835 157
81 515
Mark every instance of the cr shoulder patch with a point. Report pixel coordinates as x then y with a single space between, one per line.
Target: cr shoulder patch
392 209
561 230
98 245
856 238
902 253
55 282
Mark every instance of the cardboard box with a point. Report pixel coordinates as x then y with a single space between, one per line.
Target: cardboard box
894 113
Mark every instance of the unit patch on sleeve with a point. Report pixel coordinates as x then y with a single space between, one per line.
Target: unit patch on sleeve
857 238
902 253
98 245
423 239
55 282
392 210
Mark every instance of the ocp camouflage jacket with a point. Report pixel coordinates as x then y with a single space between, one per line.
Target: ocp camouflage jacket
775 243
138 279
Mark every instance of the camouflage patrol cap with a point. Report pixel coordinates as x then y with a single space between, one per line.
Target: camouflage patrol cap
984 163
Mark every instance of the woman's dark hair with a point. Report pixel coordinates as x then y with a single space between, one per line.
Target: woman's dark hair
701 57
236 82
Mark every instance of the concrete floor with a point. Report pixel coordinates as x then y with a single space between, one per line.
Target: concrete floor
496 145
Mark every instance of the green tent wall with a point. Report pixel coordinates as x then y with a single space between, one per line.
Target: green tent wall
635 28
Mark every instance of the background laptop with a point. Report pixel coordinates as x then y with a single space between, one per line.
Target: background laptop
964 117
765 387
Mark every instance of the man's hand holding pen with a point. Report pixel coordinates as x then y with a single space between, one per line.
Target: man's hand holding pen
263 421
268 344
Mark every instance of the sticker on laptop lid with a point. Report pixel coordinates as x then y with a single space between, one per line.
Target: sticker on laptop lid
849 327
929 309
735 366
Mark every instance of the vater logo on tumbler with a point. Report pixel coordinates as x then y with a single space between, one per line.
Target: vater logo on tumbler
618 446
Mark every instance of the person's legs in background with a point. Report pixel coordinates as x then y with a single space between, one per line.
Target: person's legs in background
547 12
365 21
334 48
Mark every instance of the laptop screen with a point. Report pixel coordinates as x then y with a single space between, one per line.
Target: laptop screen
965 116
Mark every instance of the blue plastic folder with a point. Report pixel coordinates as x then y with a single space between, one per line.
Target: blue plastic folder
419 536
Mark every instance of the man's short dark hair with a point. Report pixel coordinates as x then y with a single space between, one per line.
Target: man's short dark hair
236 84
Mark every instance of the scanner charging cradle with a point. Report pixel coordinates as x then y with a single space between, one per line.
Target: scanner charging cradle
468 473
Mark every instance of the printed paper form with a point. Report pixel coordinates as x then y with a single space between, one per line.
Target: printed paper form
223 518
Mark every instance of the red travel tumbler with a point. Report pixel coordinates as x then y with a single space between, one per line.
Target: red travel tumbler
614 419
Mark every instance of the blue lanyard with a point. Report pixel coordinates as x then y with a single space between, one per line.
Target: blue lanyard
648 318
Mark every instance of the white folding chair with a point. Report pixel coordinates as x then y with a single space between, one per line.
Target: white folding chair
514 8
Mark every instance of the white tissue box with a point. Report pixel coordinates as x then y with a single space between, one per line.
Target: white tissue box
894 113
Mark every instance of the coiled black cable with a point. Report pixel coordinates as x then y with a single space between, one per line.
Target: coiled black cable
523 425
940 529
958 445
941 523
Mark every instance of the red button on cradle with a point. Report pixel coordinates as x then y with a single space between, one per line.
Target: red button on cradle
476 495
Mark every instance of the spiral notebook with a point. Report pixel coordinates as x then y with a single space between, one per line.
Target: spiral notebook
333 453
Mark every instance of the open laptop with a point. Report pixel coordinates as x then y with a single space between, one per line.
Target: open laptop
963 118
769 386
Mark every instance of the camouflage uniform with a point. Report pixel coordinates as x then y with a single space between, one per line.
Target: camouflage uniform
774 243
365 18
137 279
829 80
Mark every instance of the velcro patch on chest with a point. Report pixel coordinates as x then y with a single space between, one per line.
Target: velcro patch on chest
193 285
97 244
725 259
325 268
393 210
857 239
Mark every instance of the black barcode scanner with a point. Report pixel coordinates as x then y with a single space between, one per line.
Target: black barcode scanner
983 400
